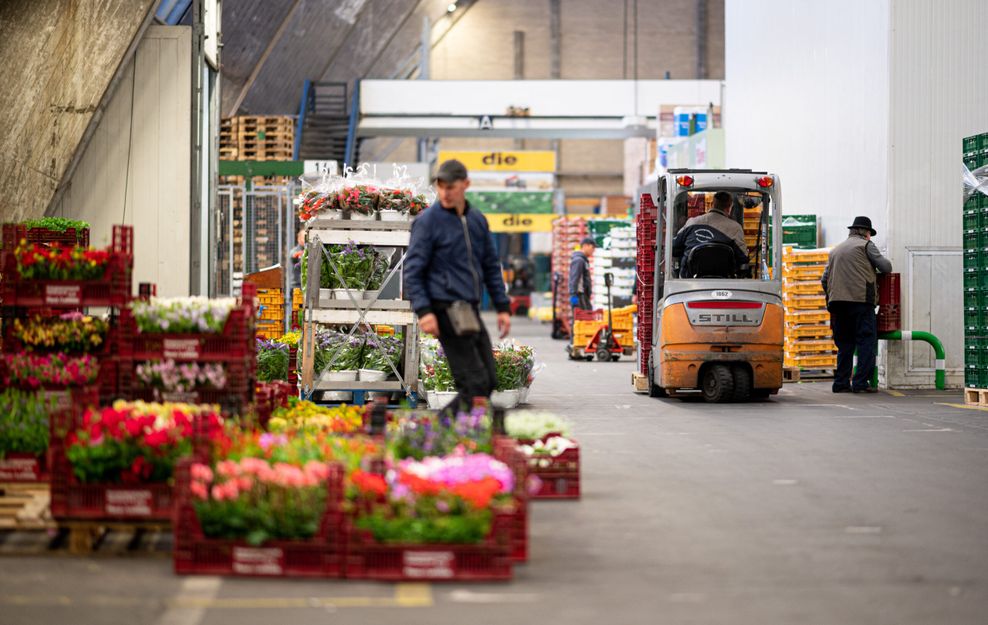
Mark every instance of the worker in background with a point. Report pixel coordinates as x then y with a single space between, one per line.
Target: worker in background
451 258
297 259
580 285
852 293
714 226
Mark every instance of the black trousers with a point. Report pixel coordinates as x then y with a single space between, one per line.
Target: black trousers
854 327
471 359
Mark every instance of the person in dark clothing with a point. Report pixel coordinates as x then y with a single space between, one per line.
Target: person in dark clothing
451 258
297 259
852 293
714 226
580 284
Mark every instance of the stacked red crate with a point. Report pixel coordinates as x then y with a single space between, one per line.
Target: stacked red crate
646 231
566 236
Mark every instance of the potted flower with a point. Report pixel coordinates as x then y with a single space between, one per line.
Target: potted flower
417 204
394 204
182 315
55 261
71 332
180 382
337 356
23 434
437 379
418 434
272 360
35 371
527 354
382 356
315 202
527 425
359 201
511 376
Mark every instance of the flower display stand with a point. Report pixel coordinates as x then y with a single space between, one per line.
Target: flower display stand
351 312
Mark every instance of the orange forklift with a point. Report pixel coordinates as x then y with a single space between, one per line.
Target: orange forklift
717 324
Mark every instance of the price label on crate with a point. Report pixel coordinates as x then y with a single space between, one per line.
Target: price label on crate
429 564
258 561
63 295
181 349
19 469
60 400
129 502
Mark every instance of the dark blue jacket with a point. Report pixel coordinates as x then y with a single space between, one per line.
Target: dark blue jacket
438 267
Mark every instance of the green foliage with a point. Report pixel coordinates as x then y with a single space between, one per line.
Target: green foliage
453 527
57 224
24 421
272 361
265 513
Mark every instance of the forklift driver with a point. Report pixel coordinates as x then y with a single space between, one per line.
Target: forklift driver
712 245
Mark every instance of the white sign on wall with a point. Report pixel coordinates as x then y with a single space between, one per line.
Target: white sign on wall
322 168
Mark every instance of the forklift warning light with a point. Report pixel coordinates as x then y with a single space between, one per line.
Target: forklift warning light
765 182
685 181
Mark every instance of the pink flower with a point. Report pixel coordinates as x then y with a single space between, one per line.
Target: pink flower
228 469
320 470
202 473
218 492
199 490
245 482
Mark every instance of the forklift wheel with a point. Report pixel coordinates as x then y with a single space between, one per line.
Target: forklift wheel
718 384
603 355
742 383
654 390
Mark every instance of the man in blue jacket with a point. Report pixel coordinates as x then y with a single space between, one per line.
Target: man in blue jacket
451 258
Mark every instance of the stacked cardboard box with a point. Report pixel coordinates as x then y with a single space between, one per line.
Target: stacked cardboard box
809 343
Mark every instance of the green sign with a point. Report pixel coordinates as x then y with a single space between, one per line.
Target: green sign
527 202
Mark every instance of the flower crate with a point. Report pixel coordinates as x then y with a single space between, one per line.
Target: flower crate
487 561
320 556
112 290
268 396
505 450
235 342
23 467
558 476
117 502
14 233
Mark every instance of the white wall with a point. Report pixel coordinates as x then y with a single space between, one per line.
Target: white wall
159 185
807 98
937 96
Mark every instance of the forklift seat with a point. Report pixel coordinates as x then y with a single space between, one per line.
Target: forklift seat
710 260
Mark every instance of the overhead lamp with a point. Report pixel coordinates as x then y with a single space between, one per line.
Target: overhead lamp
451 7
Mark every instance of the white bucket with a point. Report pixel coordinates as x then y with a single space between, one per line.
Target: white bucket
372 375
362 217
348 375
393 215
439 399
506 399
523 395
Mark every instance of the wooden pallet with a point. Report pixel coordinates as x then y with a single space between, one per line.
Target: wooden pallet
86 537
976 397
797 374
25 506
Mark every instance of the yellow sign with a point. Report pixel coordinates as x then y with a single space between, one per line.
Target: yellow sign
514 160
520 222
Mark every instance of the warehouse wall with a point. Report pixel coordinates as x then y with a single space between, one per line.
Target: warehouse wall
57 58
156 175
937 97
819 119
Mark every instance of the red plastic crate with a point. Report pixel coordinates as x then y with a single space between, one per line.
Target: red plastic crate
560 477
24 468
235 342
13 234
488 561
889 318
320 556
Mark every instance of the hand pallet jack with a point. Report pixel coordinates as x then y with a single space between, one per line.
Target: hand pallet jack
604 344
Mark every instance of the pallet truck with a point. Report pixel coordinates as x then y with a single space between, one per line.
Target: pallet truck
602 342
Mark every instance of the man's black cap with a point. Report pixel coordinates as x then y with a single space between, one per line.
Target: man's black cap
863 223
589 241
451 171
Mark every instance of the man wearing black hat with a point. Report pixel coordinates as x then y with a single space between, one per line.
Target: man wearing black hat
852 293
580 285
451 258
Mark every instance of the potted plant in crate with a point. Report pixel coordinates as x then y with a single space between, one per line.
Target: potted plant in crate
173 381
24 435
70 332
382 356
437 379
511 375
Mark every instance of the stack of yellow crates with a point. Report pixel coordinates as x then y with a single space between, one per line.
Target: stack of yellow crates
809 342
271 313
752 223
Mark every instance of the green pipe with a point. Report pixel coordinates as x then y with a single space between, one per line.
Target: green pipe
916 335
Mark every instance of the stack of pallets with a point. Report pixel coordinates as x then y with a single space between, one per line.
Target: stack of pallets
566 236
809 346
257 138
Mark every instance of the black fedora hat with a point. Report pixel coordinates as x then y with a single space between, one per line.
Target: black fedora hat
864 223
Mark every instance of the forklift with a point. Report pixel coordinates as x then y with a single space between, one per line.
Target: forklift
717 328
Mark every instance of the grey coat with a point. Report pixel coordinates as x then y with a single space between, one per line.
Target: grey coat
850 272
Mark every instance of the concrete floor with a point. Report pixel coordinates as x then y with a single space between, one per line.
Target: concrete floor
809 508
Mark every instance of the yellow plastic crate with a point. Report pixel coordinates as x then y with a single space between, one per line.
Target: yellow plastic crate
807 331
807 317
623 319
816 256
812 362
805 302
805 346
297 297
802 287
803 272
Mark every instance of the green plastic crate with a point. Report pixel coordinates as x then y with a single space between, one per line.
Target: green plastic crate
971 238
972 218
970 258
971 279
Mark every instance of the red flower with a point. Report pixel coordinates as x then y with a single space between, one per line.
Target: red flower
369 483
156 439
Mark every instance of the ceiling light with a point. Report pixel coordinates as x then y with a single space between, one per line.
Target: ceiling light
451 7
